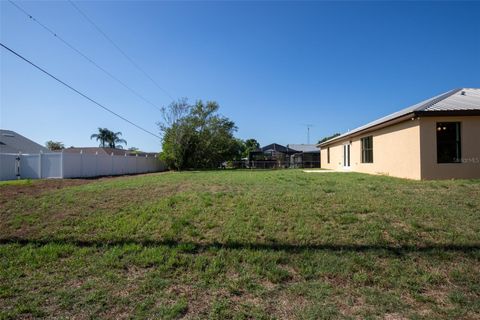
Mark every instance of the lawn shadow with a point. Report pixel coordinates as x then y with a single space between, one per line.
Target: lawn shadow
287 247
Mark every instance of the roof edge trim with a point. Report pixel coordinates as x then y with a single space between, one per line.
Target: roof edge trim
368 129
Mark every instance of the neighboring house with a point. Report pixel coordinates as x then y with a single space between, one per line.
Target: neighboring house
438 138
273 151
307 156
12 142
292 155
270 156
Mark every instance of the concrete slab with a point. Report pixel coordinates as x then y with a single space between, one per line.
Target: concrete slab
325 171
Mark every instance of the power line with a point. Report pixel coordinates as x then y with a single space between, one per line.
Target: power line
77 91
119 49
84 56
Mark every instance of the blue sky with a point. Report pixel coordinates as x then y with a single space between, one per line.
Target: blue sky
272 66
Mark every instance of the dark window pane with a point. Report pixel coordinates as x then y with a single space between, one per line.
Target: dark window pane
348 155
367 149
448 142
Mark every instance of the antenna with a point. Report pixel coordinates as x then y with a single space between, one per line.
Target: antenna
308 125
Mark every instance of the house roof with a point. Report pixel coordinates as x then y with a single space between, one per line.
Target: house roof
462 101
12 142
277 147
289 149
304 147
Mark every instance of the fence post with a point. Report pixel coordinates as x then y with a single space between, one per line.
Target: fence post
136 163
40 165
96 163
81 163
61 164
111 170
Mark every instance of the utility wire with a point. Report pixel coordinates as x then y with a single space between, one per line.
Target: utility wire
84 56
77 91
119 49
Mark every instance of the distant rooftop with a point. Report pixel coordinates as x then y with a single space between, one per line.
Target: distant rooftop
276 147
290 148
304 147
460 101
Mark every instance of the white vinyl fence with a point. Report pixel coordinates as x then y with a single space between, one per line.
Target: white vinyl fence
73 165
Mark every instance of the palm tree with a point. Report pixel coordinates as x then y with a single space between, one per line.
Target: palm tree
102 136
115 140
108 138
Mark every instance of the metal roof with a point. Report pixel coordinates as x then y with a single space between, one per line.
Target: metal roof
304 147
12 142
464 99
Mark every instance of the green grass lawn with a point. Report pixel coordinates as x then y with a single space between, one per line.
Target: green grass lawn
15 182
242 244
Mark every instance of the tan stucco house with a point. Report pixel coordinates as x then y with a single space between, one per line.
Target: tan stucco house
438 138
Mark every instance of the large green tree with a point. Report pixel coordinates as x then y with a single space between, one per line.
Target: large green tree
250 145
244 147
196 136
